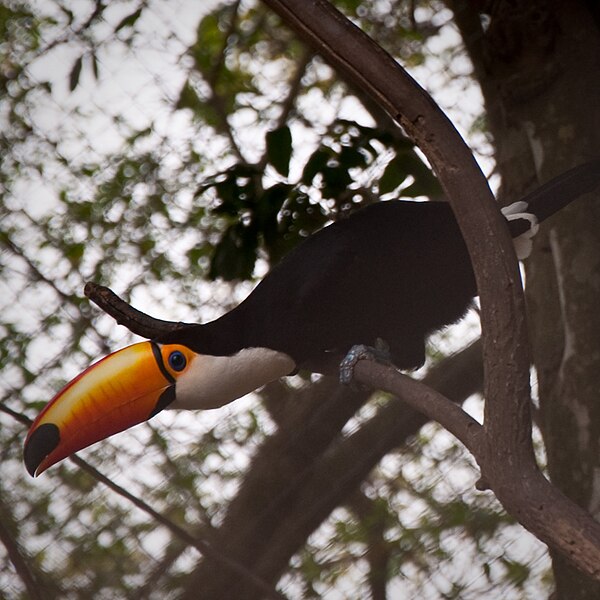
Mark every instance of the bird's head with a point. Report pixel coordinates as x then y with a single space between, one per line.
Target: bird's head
119 391
135 383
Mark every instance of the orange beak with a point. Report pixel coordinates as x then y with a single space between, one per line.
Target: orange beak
119 391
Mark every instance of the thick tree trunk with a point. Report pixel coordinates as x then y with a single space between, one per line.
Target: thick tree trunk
539 68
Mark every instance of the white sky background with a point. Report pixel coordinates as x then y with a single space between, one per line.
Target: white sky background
140 86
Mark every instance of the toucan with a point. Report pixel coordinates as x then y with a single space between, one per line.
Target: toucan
394 271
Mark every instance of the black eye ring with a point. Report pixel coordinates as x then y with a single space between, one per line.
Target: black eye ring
177 360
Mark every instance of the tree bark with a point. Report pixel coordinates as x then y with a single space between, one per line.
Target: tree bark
538 65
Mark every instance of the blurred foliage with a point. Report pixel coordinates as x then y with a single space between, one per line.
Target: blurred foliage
278 217
248 145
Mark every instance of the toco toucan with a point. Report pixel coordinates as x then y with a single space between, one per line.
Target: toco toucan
395 270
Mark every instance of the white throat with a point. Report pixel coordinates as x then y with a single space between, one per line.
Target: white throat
213 381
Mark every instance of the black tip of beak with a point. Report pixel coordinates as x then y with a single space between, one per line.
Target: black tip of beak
41 442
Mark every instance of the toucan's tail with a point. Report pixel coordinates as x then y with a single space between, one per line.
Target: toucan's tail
524 215
554 195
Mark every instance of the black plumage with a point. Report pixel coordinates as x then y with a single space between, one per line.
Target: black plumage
394 270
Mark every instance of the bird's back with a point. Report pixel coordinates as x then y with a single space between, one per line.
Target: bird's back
394 270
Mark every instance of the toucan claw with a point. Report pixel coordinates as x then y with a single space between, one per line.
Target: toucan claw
379 353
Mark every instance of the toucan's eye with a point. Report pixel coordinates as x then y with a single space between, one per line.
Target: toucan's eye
177 360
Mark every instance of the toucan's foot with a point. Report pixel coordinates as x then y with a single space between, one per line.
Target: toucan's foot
379 353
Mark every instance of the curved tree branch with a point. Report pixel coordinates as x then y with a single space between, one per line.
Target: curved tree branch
505 452
425 399
367 65
329 478
324 475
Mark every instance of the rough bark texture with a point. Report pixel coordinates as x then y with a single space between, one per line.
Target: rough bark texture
539 68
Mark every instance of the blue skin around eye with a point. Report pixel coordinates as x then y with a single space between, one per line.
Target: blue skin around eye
177 361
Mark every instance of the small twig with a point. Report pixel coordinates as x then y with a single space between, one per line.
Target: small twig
203 546
71 33
218 65
294 87
20 561
136 321
287 105
35 271
24 419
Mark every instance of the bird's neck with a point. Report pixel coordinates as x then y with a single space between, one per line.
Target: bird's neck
233 360
217 380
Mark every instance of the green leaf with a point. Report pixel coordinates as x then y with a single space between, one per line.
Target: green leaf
140 133
236 190
75 253
336 180
234 256
315 164
425 183
267 213
279 149
187 98
202 110
209 42
350 6
392 177
407 163
129 20
75 73
516 572
95 68
352 157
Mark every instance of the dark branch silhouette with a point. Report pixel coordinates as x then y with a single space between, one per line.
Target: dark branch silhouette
136 321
